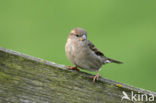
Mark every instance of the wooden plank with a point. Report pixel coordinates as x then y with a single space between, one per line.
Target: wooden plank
26 79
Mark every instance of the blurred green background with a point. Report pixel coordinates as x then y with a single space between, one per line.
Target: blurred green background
123 29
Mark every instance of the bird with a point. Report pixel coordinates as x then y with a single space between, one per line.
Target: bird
83 54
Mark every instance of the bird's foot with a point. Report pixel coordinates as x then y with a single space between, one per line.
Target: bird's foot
96 77
73 68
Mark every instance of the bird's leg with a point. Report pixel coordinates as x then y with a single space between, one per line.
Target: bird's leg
96 77
73 68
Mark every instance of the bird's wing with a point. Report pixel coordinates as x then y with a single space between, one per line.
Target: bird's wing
99 53
94 49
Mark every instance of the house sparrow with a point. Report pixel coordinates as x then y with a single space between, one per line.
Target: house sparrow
82 53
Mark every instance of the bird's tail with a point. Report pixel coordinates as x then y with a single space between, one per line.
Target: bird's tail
109 60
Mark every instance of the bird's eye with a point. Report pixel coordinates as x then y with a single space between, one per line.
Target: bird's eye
77 35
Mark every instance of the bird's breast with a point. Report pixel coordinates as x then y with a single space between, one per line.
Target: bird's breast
80 55
70 49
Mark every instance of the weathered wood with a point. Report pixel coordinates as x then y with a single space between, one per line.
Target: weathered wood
26 79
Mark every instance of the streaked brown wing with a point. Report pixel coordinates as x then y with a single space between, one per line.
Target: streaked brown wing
96 51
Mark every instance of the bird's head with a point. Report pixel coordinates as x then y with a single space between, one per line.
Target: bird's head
78 34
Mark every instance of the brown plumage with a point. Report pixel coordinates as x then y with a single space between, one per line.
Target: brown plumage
82 53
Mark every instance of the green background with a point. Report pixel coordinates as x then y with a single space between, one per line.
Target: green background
123 29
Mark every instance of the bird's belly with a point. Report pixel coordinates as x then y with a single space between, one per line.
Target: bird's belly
88 61
88 65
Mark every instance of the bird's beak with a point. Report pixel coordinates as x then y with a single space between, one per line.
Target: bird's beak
83 38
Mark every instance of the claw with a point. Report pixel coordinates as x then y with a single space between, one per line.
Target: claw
95 78
73 68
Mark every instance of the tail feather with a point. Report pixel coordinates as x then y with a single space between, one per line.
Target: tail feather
114 61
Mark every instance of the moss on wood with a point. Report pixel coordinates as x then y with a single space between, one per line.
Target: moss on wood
26 79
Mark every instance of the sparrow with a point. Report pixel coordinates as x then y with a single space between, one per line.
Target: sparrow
83 54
